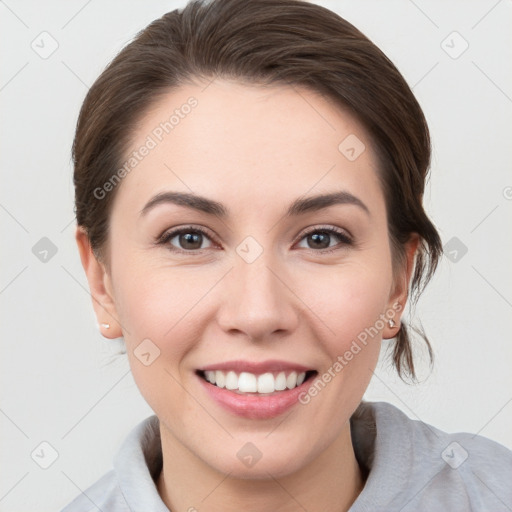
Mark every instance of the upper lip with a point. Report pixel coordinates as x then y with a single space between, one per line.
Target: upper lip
255 367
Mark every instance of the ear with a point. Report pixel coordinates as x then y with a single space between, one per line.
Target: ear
400 289
100 285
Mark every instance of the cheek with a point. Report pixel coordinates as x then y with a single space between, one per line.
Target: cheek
348 301
160 302
159 310
346 306
169 307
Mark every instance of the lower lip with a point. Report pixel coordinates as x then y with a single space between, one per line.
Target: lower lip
253 406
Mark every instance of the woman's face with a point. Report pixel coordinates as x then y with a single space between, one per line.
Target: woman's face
264 282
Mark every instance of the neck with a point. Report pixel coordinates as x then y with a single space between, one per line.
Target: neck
330 483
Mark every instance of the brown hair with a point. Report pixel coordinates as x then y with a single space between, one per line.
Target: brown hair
291 42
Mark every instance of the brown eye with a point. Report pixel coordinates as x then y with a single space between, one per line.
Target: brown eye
190 240
326 238
186 239
319 240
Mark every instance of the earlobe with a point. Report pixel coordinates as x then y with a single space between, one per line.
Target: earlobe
400 292
99 286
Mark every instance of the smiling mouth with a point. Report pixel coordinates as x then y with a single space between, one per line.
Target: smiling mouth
256 384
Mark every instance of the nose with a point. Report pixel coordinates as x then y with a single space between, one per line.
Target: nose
259 304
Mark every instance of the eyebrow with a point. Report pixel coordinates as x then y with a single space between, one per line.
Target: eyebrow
211 207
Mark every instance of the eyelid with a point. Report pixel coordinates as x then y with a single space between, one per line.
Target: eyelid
345 237
169 234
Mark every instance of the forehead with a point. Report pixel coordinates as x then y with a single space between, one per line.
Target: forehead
233 141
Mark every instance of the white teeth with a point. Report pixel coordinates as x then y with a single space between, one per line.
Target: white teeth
280 384
231 381
250 383
291 380
220 379
266 383
247 383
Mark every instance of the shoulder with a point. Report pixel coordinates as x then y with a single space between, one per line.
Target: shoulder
105 494
131 484
422 467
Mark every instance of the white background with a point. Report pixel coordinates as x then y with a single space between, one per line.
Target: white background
60 380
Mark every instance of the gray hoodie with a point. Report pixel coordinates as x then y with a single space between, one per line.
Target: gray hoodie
411 466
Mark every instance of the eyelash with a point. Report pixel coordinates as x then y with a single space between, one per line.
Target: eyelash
342 235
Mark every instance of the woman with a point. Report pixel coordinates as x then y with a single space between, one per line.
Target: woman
249 180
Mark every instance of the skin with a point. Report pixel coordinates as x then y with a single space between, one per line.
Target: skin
254 149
